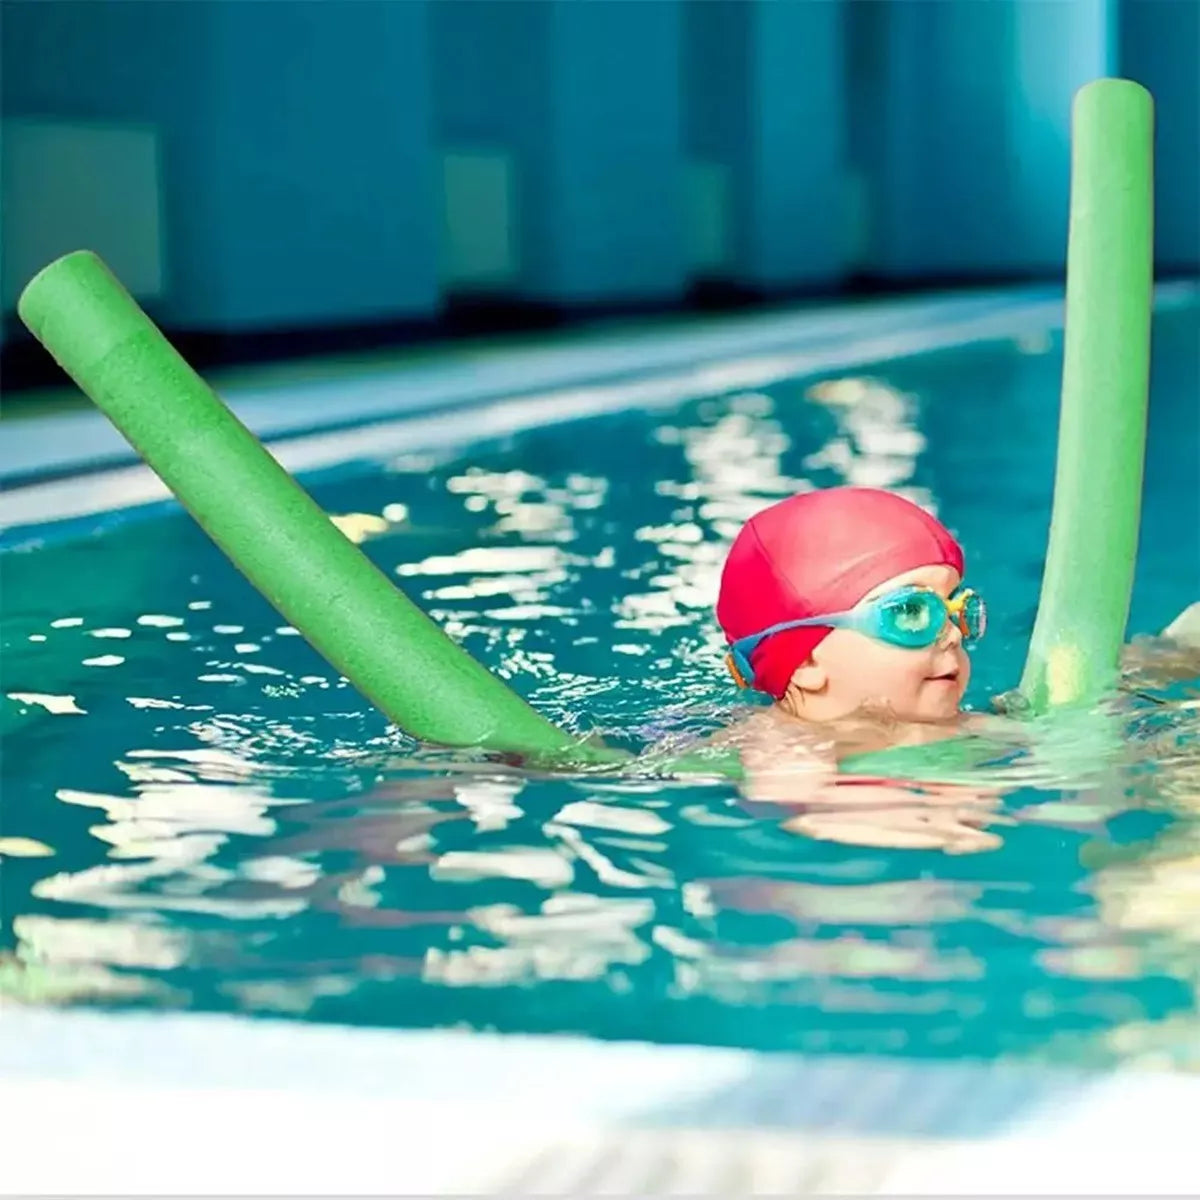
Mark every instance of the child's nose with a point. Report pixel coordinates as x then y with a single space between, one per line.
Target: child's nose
951 634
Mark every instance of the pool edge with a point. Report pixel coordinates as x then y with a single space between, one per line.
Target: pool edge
298 1108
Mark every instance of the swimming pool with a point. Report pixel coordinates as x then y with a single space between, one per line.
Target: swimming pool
233 830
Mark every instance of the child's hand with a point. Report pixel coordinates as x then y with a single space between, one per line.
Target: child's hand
906 817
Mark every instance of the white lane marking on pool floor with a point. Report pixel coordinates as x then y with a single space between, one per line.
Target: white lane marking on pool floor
133 486
207 1104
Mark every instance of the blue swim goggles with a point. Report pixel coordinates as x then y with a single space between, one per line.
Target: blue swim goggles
911 617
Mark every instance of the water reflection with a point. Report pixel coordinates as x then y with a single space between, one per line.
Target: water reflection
229 826
221 885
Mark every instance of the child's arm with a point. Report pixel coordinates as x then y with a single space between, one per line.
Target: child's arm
787 770
944 817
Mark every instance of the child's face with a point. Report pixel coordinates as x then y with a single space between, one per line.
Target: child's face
848 670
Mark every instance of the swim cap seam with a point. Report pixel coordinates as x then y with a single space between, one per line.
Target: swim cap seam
781 581
795 600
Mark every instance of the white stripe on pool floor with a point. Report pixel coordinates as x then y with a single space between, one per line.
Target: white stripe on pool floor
187 1104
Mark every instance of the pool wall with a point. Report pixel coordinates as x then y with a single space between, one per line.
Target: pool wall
293 168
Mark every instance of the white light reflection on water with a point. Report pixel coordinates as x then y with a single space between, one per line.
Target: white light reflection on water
235 828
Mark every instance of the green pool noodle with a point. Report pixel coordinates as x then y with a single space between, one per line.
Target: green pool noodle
953 760
1075 649
270 527
1087 582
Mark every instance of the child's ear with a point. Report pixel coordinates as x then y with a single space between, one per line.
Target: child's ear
810 676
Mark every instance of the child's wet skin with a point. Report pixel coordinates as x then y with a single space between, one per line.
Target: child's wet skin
791 773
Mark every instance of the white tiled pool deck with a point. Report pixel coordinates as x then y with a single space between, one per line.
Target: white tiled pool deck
156 1104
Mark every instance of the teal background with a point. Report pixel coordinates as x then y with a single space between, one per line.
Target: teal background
301 146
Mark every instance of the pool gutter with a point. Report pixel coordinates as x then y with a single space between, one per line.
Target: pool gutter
75 465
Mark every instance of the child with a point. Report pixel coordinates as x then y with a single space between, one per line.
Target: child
845 598
846 606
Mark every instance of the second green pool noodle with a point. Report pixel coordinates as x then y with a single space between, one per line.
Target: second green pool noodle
1088 579
270 527
1087 582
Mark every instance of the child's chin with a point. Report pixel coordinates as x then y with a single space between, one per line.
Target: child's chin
941 700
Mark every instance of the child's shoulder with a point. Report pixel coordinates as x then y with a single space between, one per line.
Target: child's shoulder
782 758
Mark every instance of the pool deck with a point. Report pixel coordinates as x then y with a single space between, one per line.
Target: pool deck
191 1104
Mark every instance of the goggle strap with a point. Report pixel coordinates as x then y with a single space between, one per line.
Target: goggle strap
737 675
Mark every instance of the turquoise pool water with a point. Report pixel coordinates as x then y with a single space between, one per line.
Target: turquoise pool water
224 824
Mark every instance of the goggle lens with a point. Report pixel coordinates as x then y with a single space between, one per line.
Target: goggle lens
911 619
915 619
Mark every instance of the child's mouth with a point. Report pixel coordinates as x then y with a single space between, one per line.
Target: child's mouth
944 677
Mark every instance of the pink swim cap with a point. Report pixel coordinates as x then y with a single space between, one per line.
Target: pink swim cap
820 552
